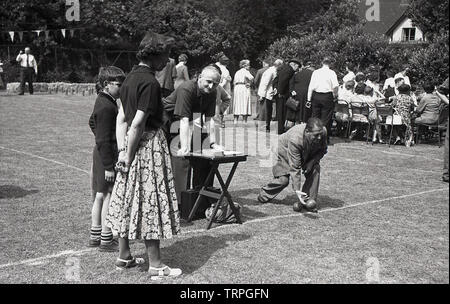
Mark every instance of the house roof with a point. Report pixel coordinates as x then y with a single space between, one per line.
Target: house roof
391 13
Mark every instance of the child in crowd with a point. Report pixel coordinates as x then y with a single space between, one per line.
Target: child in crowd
103 124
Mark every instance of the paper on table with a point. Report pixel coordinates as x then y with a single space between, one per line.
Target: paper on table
230 152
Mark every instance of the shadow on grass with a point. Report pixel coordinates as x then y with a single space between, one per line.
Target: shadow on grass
192 253
325 202
10 191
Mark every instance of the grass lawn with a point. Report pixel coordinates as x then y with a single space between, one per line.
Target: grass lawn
380 204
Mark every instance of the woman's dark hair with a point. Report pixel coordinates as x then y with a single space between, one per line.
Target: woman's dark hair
360 88
153 44
360 77
404 89
350 66
428 87
368 90
109 73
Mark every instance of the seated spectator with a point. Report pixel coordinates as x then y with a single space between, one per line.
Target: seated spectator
370 99
358 100
360 78
345 92
403 106
398 82
428 108
345 95
372 81
350 75
389 82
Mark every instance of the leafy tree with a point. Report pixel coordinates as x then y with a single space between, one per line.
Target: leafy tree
431 16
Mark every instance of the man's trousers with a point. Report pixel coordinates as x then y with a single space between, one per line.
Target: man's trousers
322 107
310 186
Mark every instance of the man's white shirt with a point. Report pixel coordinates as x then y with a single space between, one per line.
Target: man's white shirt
22 60
323 80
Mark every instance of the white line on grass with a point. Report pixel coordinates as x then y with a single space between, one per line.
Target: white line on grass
37 261
46 159
390 152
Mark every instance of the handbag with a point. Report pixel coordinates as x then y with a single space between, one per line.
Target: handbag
292 104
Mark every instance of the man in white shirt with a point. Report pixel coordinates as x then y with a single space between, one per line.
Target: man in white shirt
266 89
403 74
322 91
28 67
225 80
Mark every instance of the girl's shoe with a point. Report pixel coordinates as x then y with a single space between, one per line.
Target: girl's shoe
125 264
397 141
165 271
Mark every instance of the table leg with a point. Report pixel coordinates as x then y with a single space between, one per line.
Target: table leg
197 201
226 193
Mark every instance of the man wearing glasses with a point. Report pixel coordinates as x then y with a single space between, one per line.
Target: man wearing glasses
300 150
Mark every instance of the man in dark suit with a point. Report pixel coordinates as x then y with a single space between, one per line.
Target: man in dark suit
300 150
281 84
299 89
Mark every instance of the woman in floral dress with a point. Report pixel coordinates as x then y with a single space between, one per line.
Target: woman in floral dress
143 202
403 106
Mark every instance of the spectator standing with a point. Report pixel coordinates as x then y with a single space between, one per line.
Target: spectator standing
166 77
281 84
404 74
242 94
260 106
266 89
299 89
143 202
322 91
28 69
442 93
182 70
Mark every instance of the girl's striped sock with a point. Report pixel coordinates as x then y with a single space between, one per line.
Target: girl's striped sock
106 237
96 232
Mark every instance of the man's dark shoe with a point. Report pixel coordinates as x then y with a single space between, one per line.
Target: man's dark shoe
112 246
20 94
445 179
94 243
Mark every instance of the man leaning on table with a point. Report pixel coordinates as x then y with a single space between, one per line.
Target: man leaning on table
28 68
195 106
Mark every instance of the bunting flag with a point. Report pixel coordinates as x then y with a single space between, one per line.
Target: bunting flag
46 32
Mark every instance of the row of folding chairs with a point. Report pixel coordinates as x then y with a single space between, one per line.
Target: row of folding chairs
360 113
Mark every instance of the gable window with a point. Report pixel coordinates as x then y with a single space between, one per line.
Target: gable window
409 34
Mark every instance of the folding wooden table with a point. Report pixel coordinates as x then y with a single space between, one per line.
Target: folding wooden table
215 161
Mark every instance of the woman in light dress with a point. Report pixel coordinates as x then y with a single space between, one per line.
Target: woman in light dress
242 95
182 71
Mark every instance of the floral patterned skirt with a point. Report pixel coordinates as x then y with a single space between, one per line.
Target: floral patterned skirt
143 203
